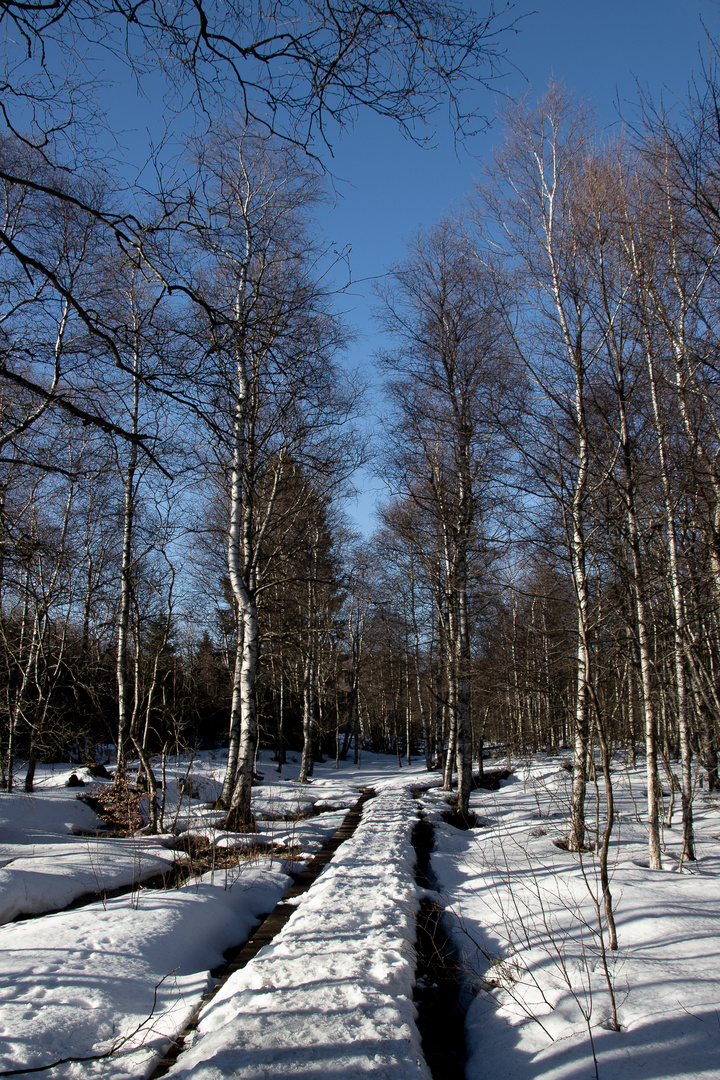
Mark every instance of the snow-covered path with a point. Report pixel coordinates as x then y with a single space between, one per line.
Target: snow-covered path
332 996
76 984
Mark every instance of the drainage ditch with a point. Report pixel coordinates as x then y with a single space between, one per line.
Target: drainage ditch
200 857
441 1018
164 881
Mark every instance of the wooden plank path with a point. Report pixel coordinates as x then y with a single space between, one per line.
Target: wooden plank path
330 995
269 927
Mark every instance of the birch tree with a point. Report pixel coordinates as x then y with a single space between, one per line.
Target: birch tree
448 378
272 399
528 214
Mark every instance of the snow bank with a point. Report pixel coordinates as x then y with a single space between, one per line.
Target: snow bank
76 983
49 882
29 820
332 996
523 915
46 862
45 866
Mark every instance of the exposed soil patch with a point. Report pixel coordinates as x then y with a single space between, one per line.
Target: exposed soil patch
564 844
460 821
437 976
118 805
490 781
203 856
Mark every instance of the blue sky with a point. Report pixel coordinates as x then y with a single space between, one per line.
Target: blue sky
388 187
601 51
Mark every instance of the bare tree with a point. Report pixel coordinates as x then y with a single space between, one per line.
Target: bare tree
529 212
299 70
448 379
271 397
295 67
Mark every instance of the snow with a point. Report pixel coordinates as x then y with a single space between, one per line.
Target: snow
45 866
41 818
332 994
524 918
40 883
78 981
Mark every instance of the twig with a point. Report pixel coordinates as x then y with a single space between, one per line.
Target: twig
94 1057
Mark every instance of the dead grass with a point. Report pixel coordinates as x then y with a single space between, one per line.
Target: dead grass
202 856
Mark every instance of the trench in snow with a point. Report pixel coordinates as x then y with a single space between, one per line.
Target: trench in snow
438 977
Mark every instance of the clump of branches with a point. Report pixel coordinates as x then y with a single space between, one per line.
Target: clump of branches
119 805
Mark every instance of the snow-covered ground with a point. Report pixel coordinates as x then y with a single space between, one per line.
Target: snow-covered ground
524 915
331 996
77 983
52 848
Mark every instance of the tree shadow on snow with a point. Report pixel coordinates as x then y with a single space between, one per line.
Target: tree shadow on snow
666 1048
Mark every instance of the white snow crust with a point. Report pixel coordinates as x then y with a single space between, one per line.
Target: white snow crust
523 915
76 982
332 996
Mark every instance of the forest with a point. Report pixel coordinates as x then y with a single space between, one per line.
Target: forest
179 430
279 795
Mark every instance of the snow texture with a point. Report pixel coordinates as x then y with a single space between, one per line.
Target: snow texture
78 983
331 997
523 915
45 867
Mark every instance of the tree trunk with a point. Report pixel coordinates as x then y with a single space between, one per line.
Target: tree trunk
126 578
686 789
240 817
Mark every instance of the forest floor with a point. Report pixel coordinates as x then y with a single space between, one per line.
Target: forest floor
331 996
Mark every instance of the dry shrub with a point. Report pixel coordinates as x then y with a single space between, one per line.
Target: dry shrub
118 805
